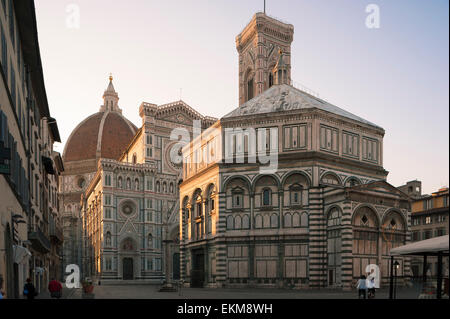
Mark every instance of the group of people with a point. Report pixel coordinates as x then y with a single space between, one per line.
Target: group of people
366 287
54 287
29 291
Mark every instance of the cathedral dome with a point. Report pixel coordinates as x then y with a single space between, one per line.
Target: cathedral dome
105 134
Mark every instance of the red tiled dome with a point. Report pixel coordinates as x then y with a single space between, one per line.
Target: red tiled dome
101 135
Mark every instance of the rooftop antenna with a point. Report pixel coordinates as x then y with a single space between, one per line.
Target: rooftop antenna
264 6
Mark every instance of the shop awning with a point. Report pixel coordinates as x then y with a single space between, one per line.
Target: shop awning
432 246
20 253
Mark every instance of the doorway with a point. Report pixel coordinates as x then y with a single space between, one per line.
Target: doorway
128 269
198 269
330 277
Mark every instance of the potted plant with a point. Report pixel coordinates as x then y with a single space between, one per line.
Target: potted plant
88 287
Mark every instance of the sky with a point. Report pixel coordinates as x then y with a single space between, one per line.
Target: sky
396 76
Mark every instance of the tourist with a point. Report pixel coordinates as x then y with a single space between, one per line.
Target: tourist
55 289
371 288
29 291
362 287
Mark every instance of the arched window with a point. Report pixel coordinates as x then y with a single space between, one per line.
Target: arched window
334 243
266 221
334 218
250 89
330 179
258 221
134 158
238 198
296 194
304 220
171 188
158 187
128 183
245 222
119 182
274 221
237 222
136 184
164 187
352 182
267 197
296 220
270 79
230 222
287 220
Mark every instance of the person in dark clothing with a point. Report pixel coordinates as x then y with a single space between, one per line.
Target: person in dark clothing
29 291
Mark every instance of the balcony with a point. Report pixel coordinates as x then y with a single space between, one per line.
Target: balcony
56 234
39 241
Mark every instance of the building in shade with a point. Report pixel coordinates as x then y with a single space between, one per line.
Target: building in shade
287 190
429 218
30 220
129 209
105 134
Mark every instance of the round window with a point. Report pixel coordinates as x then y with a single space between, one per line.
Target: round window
128 208
81 182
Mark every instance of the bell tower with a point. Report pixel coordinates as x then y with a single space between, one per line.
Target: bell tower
263 44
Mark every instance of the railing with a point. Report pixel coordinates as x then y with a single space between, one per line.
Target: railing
305 89
56 232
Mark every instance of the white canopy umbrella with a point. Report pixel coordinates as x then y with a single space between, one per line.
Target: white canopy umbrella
431 246
437 246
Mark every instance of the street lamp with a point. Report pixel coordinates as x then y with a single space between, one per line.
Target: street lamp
396 266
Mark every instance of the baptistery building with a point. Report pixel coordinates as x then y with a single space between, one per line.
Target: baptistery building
287 190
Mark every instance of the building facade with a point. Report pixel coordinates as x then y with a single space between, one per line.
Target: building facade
429 218
130 208
287 190
412 188
104 134
29 207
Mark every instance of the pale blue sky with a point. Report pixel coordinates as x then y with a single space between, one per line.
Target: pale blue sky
396 76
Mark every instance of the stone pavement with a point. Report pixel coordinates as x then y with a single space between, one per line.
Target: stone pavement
151 292
66 294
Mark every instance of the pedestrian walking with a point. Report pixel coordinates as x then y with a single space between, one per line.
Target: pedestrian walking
55 289
29 291
2 294
371 288
362 287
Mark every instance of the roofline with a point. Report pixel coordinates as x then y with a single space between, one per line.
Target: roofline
227 118
26 18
